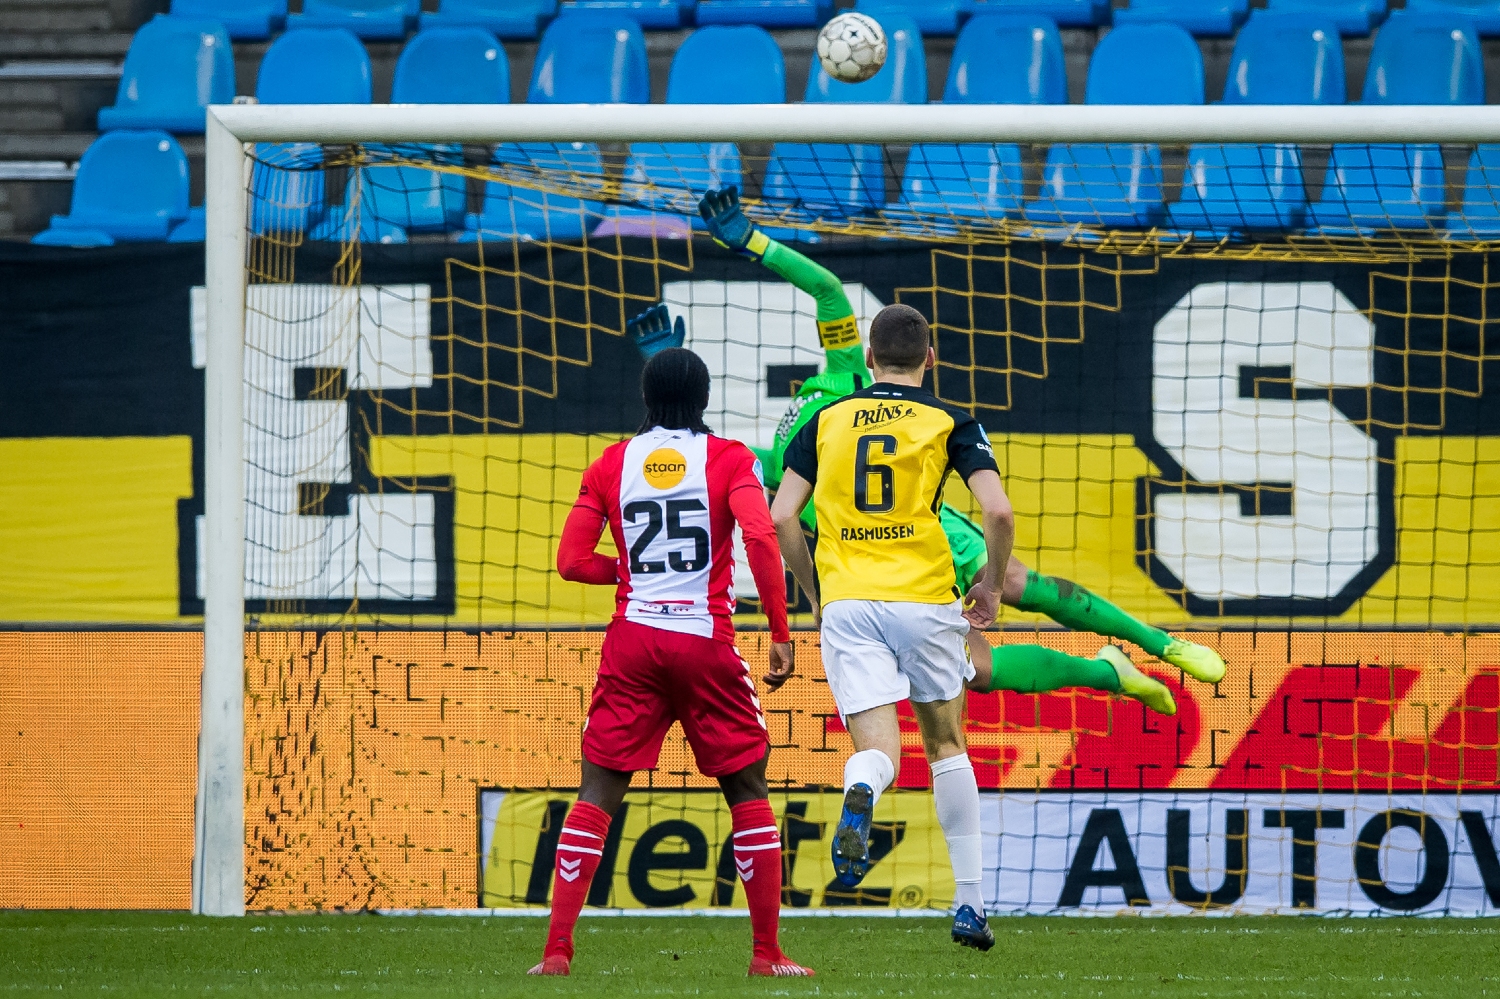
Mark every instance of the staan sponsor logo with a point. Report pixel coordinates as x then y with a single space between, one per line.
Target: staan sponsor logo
664 468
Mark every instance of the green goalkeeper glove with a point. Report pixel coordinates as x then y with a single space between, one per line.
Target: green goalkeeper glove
653 331
728 225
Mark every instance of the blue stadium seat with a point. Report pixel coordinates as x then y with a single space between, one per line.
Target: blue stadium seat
1173 74
438 66
1370 188
1417 59
315 66
346 224
1201 17
193 229
1352 17
1115 185
1229 190
1425 59
1007 59
1484 13
766 13
1480 217
416 199
131 187
175 68
523 213
902 80
392 202
932 17
824 179
714 65
1286 59
728 65
1067 13
591 57
286 188
664 180
452 66
245 20
518 19
680 172
828 179
998 59
378 20
972 180
653 15
1120 185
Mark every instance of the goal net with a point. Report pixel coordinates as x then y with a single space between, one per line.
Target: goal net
1237 389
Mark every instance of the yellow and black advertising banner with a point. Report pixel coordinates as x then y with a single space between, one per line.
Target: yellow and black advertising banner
673 849
1199 440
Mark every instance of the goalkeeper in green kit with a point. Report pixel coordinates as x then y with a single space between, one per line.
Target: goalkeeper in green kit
1028 669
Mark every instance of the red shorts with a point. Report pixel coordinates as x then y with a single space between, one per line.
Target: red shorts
649 678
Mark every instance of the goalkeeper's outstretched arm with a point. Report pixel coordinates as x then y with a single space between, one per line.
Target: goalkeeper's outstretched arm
838 332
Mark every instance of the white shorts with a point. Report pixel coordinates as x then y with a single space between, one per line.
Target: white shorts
879 652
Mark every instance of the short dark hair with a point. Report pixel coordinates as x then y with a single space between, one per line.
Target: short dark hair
674 385
899 338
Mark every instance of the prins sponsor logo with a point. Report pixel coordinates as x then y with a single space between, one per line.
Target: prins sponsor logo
664 468
881 415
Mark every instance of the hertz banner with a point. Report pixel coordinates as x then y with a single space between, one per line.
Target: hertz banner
1298 462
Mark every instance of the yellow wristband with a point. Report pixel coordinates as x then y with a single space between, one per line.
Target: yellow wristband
758 244
836 334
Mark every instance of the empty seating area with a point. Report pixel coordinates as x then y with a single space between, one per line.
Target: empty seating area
738 51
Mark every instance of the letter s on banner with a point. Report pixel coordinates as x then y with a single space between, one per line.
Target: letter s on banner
1279 508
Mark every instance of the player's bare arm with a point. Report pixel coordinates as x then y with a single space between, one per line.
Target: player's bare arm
763 553
982 602
786 514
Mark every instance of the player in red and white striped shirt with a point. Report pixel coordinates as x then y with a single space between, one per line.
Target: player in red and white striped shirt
671 497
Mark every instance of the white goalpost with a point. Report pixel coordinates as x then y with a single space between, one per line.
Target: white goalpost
219 864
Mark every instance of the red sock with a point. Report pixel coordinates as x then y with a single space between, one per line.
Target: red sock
757 856
579 849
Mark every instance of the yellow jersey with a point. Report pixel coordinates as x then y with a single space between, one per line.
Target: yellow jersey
877 460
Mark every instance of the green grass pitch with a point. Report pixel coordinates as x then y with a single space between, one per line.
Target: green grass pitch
154 954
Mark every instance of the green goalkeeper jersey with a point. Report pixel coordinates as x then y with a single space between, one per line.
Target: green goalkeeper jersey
844 373
844 353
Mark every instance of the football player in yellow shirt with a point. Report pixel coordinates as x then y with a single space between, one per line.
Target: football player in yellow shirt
893 627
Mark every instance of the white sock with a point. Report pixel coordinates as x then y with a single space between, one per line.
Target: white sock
955 793
872 767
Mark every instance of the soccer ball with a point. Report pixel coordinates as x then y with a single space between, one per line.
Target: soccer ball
851 47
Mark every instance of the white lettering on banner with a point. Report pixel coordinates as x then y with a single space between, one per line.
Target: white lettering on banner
1209 344
1242 852
740 328
379 336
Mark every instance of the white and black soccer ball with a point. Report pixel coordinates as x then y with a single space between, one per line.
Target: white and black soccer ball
852 47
